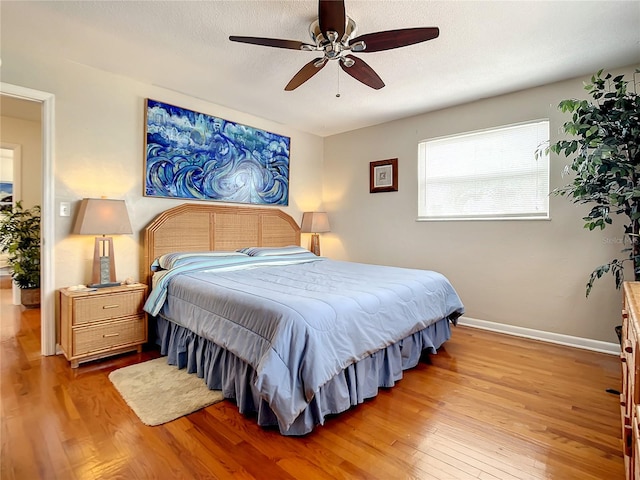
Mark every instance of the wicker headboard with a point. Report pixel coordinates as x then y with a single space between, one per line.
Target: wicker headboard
199 227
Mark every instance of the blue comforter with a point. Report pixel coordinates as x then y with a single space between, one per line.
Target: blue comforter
300 321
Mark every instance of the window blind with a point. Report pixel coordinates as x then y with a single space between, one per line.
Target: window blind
490 174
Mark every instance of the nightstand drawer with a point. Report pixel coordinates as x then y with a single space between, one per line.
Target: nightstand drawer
110 335
91 309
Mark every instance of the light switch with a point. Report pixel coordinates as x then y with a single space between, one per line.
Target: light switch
65 209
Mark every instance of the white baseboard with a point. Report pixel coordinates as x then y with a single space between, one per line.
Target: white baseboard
559 338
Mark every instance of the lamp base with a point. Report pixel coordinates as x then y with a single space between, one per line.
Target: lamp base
104 266
315 244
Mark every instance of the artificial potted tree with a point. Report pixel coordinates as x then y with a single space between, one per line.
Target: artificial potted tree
20 238
604 147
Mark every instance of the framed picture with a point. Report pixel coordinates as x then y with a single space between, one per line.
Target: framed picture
6 196
383 176
195 156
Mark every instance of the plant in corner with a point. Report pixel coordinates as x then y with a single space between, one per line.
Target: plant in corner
20 238
606 163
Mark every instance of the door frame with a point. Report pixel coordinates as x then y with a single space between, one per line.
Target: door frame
47 223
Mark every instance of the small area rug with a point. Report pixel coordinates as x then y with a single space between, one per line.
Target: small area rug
158 392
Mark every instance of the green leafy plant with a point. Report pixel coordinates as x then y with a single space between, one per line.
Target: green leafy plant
20 238
605 152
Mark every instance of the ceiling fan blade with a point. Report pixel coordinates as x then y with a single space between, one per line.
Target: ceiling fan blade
332 16
305 73
379 41
270 42
363 72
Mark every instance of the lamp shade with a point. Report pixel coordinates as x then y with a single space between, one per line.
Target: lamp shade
101 216
315 222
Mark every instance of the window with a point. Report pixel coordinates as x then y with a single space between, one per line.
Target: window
489 174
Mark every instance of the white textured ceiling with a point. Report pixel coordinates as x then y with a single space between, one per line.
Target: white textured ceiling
485 48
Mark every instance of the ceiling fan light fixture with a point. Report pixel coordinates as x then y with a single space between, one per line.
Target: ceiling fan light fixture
332 51
358 46
319 38
320 63
347 62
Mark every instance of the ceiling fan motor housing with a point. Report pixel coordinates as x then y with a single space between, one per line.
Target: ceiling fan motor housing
333 47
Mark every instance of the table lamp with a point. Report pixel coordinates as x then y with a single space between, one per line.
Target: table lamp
315 223
102 216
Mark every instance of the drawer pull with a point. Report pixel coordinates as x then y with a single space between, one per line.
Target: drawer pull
628 347
107 335
105 307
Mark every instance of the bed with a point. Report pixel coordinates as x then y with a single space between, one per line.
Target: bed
290 337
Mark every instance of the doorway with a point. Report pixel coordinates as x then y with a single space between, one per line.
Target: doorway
47 304
10 192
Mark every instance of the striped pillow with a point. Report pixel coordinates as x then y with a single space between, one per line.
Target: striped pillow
175 259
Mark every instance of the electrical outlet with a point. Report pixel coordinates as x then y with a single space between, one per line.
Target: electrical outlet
65 209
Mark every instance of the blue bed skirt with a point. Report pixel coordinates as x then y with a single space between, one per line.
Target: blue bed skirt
221 370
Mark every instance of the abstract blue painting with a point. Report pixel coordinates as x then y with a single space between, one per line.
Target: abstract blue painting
197 156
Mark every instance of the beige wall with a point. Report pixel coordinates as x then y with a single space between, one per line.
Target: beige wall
523 273
528 274
27 134
99 130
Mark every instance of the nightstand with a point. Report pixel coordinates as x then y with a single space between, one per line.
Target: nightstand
104 322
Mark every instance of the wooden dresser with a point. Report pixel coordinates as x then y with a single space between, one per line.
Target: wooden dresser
103 322
630 396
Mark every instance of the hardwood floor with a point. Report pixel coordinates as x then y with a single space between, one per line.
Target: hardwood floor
487 406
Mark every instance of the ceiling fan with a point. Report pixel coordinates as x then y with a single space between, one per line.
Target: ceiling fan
333 33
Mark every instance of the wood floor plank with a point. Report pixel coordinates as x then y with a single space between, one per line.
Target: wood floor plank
487 406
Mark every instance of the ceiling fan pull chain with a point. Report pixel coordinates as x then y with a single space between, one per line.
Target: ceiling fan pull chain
338 94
